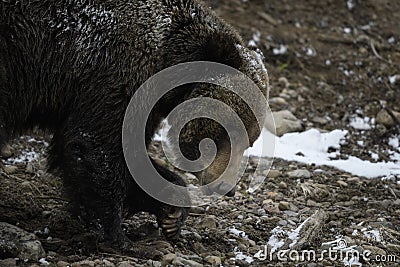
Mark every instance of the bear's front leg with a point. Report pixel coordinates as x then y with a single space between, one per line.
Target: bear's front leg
170 218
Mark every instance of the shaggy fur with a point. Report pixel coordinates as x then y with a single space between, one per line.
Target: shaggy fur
72 66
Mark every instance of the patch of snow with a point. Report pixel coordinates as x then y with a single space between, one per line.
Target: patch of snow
348 72
310 52
252 43
394 155
240 256
328 62
366 27
275 240
394 142
374 156
314 147
43 261
393 79
294 234
281 50
351 4
372 234
347 30
361 123
391 40
238 233
256 39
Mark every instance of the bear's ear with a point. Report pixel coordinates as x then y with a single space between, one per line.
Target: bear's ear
223 48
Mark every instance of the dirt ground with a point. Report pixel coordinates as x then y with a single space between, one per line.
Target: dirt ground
329 61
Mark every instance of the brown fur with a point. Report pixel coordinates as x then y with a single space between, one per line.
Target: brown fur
72 67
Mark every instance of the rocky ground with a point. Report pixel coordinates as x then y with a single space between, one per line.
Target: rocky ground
331 63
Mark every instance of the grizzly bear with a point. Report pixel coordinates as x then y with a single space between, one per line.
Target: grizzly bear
72 67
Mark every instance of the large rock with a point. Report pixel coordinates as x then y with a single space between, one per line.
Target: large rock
17 243
285 122
6 151
385 119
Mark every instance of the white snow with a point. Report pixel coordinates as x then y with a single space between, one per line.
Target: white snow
310 52
256 39
294 234
276 240
393 79
311 147
328 62
347 30
351 5
362 123
43 261
394 142
372 234
240 256
280 51
238 233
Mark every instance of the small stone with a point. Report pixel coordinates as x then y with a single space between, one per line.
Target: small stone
272 208
272 195
363 50
284 205
29 168
213 260
10 169
299 174
320 120
63 264
197 210
384 118
85 263
125 264
168 259
107 263
353 180
283 81
279 101
291 213
375 250
252 242
6 152
185 262
283 185
207 222
293 207
8 263
342 183
26 246
285 122
282 222
272 173
152 263
312 203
